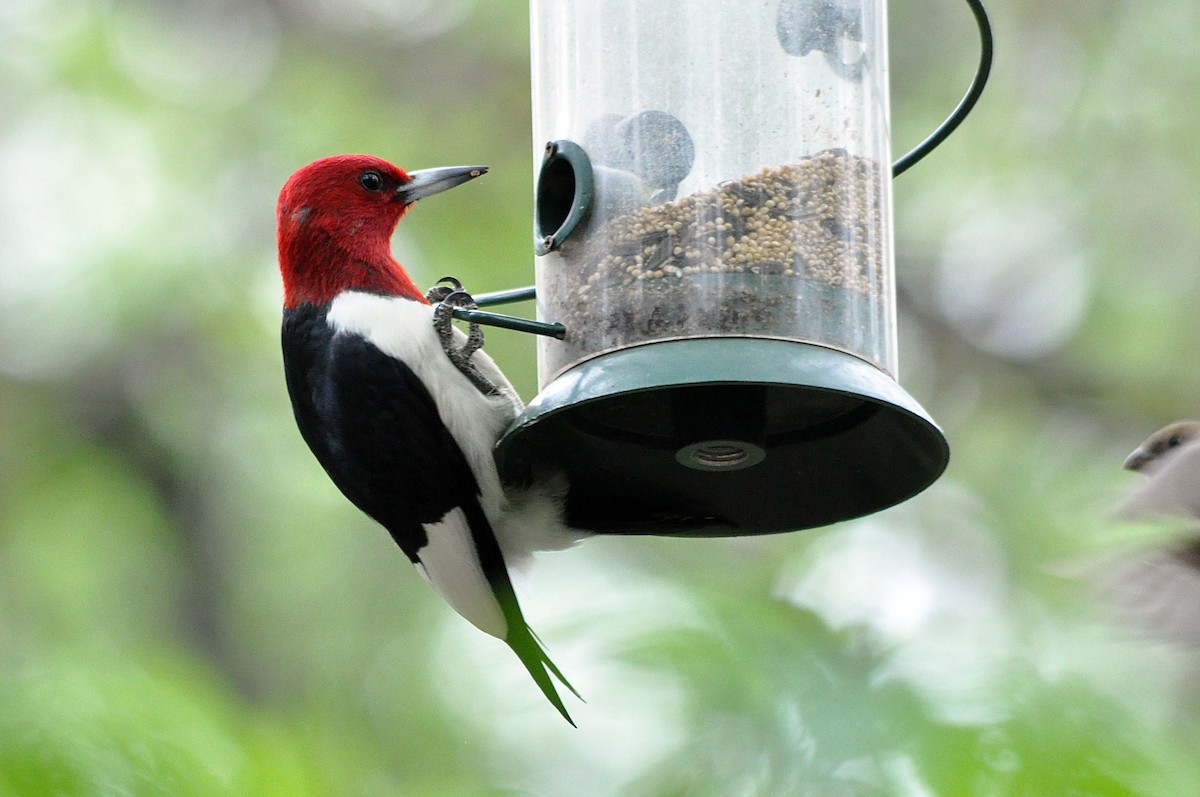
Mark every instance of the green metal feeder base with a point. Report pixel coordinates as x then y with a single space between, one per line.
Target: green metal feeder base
724 437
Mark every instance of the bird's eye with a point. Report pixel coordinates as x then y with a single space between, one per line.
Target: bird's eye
1174 440
371 180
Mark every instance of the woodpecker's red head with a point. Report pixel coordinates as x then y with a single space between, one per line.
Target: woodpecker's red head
335 220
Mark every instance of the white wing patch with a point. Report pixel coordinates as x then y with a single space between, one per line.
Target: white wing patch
448 562
403 329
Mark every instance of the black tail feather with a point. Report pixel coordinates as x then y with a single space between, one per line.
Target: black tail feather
551 667
520 636
531 653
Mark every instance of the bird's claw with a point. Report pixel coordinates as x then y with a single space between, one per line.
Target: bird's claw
443 288
447 298
443 314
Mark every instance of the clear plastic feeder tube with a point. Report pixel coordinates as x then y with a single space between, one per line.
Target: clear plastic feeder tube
740 174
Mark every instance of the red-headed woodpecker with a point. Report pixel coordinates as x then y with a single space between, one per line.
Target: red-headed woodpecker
400 430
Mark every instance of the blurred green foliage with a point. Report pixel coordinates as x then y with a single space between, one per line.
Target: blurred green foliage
188 607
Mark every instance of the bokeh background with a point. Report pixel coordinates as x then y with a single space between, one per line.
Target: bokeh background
187 606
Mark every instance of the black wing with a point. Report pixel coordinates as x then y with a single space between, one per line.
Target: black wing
374 427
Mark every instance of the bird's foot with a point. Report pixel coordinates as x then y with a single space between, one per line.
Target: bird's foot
446 298
443 315
442 288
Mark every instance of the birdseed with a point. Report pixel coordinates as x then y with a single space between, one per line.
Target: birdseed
791 251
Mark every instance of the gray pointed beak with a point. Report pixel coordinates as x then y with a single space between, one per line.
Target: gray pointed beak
427 182
1137 460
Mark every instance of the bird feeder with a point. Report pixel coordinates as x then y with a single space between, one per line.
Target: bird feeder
713 230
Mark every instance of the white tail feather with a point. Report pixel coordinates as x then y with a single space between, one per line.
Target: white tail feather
533 520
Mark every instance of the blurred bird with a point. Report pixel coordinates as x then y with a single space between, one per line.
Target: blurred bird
403 431
1159 590
1171 458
